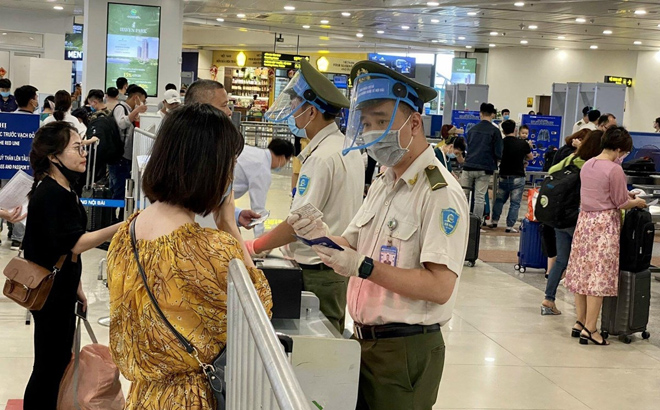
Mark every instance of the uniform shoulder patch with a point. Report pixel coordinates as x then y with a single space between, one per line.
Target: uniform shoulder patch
449 221
436 180
303 184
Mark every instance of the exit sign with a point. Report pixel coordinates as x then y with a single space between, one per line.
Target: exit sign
611 79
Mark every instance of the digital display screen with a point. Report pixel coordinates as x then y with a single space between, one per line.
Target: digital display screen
402 65
464 71
132 46
341 81
73 44
277 60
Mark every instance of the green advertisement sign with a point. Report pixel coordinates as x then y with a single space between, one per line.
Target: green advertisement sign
133 41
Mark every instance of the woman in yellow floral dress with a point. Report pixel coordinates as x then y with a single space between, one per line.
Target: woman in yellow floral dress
186 265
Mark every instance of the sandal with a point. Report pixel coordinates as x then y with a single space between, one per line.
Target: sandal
584 340
576 332
550 310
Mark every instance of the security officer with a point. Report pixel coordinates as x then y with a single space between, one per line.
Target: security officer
330 181
405 248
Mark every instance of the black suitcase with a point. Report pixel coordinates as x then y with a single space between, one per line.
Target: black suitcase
637 237
474 238
97 217
628 313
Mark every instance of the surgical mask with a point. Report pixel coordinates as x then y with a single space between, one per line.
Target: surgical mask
227 193
619 160
451 155
388 150
92 109
70 175
5 94
298 132
280 168
505 117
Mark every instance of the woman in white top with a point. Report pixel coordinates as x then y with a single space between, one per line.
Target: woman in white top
62 112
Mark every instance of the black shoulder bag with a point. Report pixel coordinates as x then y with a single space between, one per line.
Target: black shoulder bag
215 372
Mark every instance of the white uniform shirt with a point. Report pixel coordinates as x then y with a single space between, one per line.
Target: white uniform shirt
79 126
252 174
431 226
333 183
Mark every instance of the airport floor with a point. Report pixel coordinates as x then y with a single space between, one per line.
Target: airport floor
501 353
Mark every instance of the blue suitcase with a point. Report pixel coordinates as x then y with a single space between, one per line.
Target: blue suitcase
530 253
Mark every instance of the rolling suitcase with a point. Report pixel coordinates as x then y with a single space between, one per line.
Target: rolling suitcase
530 253
97 217
628 313
474 237
637 236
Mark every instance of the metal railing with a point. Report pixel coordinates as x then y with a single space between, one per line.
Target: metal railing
259 134
143 143
259 374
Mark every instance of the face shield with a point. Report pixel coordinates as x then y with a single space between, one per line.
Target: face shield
289 101
370 120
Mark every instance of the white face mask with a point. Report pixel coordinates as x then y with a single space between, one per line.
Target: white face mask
388 150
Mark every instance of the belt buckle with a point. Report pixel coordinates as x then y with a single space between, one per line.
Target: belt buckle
358 331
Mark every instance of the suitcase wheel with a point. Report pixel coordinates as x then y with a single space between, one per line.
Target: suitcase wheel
516 267
625 339
523 269
605 334
645 335
471 264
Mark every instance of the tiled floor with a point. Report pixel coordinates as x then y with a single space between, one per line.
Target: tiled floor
501 354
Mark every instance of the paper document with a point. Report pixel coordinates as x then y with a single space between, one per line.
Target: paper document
15 193
308 211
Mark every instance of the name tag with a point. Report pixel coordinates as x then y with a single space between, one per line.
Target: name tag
389 255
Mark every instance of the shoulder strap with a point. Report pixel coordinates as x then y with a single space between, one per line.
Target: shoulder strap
186 344
435 178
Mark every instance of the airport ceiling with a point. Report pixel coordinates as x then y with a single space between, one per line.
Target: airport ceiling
409 25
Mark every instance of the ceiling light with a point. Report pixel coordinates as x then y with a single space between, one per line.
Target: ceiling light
461 38
380 32
346 14
468 46
240 15
519 4
524 42
607 32
637 43
435 21
533 27
640 12
492 45
305 26
360 35
324 38
594 47
472 13
405 27
220 19
580 20
32 38
561 38
289 8
432 4
494 33
4 34
58 7
325 21
434 41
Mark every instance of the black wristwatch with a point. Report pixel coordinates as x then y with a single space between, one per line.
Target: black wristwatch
366 268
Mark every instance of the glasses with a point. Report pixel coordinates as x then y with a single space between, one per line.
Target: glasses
79 149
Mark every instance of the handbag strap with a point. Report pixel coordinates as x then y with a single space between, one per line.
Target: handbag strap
186 344
76 352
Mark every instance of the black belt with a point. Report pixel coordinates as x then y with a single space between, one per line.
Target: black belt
391 330
320 266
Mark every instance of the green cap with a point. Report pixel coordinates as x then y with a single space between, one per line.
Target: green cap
322 87
425 93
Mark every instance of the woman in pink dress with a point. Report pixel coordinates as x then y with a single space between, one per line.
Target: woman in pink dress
593 267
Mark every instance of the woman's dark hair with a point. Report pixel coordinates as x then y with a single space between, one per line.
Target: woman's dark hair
112 92
192 161
81 114
580 135
62 104
444 131
617 138
51 139
657 120
48 99
591 145
457 142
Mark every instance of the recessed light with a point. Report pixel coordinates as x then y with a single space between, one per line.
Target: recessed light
4 34
434 41
607 32
32 38
561 38
324 38
405 27
494 33
240 15
435 21
472 13
468 46
533 27
58 7
346 14
325 21
380 32
637 43
524 42
359 35
305 26
289 8
220 19
640 12
432 4
492 45
594 47
461 38
580 20
519 4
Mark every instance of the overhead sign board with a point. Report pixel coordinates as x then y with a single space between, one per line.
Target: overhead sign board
612 79
277 60
402 65
73 44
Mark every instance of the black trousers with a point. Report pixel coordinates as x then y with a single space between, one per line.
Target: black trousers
54 328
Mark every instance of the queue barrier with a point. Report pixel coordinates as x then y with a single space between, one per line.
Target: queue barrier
259 134
258 374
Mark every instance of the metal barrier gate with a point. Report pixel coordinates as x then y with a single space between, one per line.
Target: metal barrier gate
259 134
259 374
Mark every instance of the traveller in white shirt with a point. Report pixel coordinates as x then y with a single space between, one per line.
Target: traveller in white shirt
171 100
62 112
252 173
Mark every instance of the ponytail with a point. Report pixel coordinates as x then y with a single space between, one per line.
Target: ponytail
62 104
51 139
59 115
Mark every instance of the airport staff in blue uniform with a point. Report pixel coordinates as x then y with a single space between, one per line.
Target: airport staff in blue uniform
405 248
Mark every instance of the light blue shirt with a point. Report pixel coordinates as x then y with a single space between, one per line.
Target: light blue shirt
252 175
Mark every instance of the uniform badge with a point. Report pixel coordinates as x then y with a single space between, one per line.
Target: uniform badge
303 184
449 221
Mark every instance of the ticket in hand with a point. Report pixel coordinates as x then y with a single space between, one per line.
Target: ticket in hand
308 211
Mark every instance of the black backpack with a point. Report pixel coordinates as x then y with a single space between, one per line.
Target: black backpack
111 143
558 203
637 235
644 165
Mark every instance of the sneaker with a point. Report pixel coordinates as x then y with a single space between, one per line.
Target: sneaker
493 226
15 245
512 230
